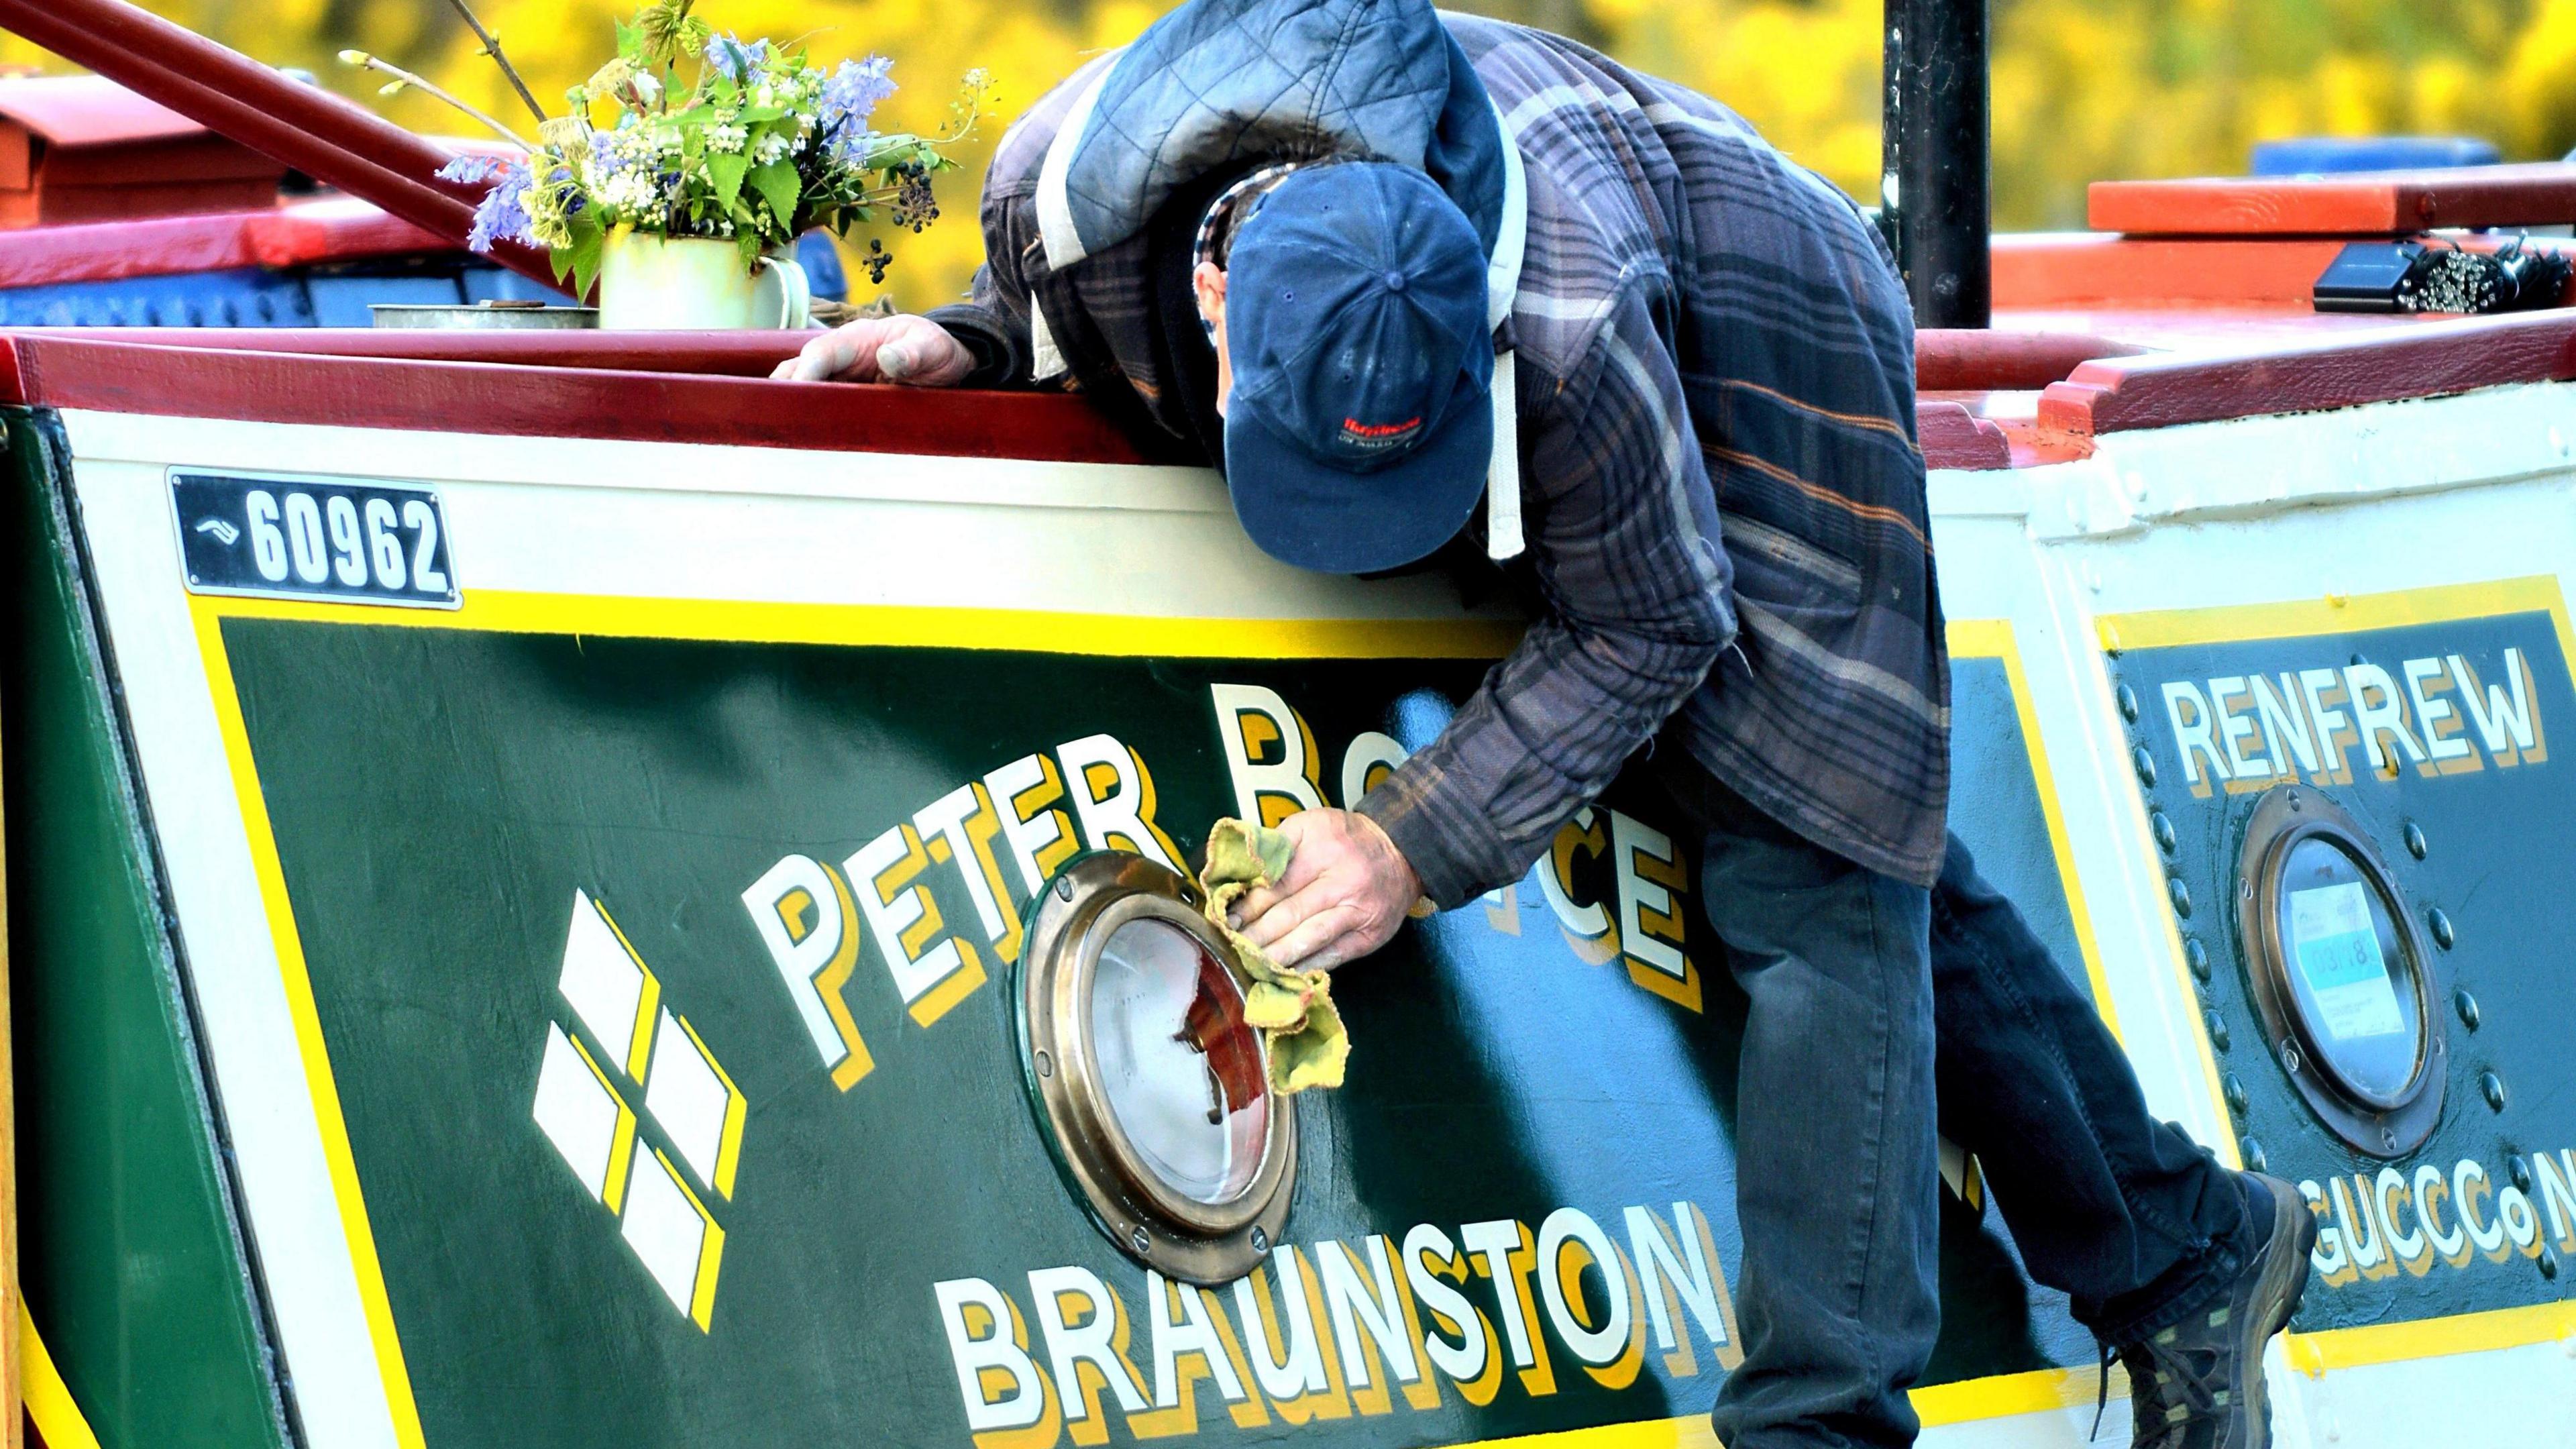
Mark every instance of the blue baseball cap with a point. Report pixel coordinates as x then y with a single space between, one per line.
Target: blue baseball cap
1360 428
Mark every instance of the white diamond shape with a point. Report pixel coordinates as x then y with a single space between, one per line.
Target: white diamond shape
687 1097
576 1111
664 1228
601 978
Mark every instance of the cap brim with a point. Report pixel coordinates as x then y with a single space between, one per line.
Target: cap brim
1332 520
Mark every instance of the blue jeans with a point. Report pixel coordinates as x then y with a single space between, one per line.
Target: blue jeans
1837 1165
1850 976
2122 1213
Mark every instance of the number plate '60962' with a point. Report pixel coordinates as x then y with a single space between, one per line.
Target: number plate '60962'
314 538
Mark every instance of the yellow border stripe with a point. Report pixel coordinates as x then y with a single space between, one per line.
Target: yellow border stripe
2344 1348
2003 1395
2037 1391
262 841
2336 613
1993 639
907 626
47 1398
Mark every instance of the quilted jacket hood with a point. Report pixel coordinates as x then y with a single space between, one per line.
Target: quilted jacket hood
1217 82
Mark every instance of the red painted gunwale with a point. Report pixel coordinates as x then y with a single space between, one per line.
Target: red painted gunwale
74 368
708 388
694 387
1945 360
2427 360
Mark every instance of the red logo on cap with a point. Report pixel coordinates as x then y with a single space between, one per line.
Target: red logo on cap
1378 435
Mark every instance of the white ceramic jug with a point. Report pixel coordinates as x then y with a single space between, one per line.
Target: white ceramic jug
675 284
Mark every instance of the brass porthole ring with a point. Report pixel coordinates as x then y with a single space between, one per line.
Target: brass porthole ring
2340 974
1149 1088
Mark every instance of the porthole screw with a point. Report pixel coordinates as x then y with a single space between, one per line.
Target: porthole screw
2491 1087
1260 1239
2289 1059
1046 1065
1064 888
2414 837
2441 924
2388 1138
1138 1239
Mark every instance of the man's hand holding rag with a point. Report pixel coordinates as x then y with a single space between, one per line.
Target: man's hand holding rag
1346 891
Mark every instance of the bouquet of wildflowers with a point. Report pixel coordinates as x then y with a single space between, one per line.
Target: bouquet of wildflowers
763 147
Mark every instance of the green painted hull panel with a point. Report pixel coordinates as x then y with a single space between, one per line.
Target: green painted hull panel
439 795
133 1270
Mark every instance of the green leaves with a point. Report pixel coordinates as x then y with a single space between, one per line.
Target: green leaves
582 258
664 31
725 172
779 185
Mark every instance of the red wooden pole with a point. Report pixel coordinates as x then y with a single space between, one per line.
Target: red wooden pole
298 125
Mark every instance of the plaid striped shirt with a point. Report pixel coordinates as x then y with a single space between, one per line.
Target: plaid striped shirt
1722 491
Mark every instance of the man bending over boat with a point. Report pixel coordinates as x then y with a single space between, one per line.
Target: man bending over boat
1419 282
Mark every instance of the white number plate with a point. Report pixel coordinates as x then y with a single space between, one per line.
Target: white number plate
342 541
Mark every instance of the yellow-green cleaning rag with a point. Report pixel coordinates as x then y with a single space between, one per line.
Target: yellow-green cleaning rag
1293 1010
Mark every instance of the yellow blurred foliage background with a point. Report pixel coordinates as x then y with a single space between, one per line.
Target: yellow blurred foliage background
2082 88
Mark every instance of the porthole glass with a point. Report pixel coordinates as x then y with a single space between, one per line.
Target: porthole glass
2338 972
2349 971
1151 1090
1183 1073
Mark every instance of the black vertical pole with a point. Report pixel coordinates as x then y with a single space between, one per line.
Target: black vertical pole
1935 186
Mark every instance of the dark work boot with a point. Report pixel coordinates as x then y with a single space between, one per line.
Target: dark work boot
2198 1384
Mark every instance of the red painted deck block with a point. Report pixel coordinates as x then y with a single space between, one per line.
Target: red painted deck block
2382 203
1953 437
2068 270
80 148
1977 359
323 135
302 234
